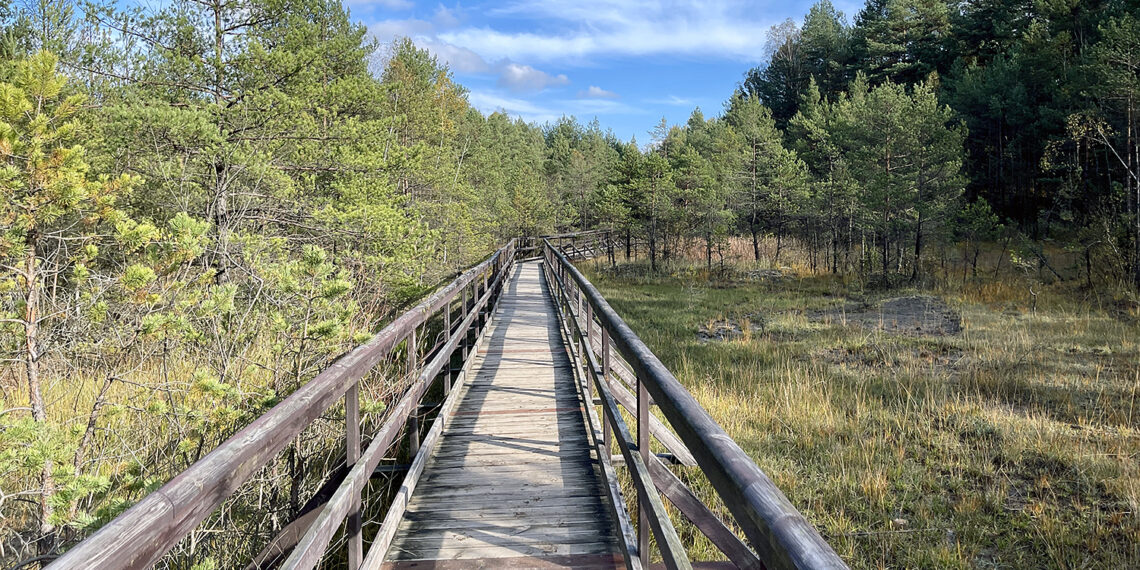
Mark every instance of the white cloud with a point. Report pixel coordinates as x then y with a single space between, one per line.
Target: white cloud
390 4
732 29
422 32
591 107
388 30
445 17
524 78
516 77
489 103
672 100
595 92
458 59
550 111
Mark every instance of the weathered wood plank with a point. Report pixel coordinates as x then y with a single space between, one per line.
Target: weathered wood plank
580 562
141 535
514 521
514 473
705 520
489 551
490 511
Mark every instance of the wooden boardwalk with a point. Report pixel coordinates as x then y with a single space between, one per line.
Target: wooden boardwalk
508 475
514 480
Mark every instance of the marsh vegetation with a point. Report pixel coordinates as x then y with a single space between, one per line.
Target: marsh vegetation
1011 442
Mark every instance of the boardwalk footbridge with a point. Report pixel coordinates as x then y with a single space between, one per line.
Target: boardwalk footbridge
538 455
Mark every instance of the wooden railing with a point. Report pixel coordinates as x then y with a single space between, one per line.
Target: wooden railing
140 536
603 344
576 245
617 371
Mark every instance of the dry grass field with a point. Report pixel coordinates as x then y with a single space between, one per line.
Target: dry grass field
945 428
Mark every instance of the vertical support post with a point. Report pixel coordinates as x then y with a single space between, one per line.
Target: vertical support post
414 418
447 321
606 376
447 338
643 449
589 324
466 335
352 453
578 294
587 345
485 311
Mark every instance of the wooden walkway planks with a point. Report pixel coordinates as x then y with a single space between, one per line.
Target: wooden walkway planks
513 481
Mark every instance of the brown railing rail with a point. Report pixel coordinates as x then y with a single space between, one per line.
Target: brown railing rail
577 245
616 371
140 536
780 535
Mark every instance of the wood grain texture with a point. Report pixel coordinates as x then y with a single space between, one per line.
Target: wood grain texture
141 535
514 476
781 535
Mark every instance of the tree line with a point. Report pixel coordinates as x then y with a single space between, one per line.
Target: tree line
923 127
1044 92
204 202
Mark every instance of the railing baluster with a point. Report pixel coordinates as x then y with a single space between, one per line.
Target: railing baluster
447 322
781 535
643 449
139 537
352 451
466 333
588 343
414 418
447 338
606 435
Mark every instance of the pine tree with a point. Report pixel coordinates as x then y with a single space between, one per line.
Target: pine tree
825 39
54 210
778 85
770 179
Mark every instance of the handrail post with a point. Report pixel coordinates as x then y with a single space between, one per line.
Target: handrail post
447 338
606 435
352 452
466 333
483 312
588 345
578 295
413 418
643 449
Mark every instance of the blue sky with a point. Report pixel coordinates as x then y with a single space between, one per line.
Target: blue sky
626 63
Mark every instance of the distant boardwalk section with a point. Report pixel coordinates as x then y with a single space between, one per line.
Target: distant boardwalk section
514 474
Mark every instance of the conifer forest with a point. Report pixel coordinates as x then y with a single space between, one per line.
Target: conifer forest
206 202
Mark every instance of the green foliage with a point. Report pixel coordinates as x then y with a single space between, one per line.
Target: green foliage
770 179
230 194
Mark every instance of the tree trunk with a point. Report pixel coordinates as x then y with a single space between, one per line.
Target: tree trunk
886 261
88 436
916 272
708 250
779 245
834 249
610 247
653 246
755 242
1134 164
32 298
966 262
1088 267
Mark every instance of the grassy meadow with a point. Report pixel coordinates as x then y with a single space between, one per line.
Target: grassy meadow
1010 443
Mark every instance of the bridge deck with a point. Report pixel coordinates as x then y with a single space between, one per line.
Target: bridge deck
514 476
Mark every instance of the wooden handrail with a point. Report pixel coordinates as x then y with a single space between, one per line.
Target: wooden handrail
313 545
651 509
144 533
782 537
